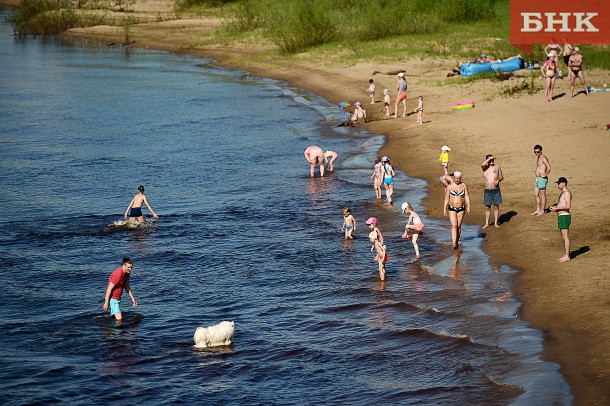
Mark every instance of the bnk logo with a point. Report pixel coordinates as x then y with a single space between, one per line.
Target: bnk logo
555 21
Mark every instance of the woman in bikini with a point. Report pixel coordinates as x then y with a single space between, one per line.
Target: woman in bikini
376 176
457 202
553 49
388 177
549 69
575 65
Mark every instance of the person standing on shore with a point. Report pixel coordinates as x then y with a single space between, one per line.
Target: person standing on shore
315 156
371 90
401 96
420 110
549 71
564 218
134 210
543 168
119 280
492 176
457 202
386 102
567 53
575 66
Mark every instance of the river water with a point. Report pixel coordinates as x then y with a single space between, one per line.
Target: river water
244 235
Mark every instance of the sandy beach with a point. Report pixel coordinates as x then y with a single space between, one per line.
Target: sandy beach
569 301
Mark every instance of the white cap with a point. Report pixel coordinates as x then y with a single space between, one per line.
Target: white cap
401 74
445 148
576 49
404 206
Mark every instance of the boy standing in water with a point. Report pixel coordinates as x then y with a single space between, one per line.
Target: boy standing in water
134 210
119 280
349 223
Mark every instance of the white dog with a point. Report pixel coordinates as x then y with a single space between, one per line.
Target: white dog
213 336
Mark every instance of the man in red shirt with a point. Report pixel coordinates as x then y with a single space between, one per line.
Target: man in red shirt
119 280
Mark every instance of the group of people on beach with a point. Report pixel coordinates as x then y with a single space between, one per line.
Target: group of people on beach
550 70
359 114
457 202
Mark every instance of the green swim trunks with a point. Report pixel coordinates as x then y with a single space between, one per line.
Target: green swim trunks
563 221
541 182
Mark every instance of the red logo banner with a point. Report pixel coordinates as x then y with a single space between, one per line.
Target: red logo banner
559 21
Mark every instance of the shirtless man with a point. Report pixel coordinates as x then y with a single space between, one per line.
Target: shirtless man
575 66
134 210
492 175
543 168
564 218
315 156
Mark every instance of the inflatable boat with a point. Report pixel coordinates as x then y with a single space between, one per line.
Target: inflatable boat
472 68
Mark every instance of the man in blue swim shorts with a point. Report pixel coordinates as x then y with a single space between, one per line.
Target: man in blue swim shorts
119 280
492 175
564 218
543 168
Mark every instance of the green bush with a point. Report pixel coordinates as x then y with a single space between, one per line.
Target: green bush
296 25
50 17
249 15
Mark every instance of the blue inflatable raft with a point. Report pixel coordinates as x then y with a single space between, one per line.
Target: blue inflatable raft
471 68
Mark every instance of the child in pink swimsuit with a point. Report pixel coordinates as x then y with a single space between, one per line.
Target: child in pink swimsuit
415 225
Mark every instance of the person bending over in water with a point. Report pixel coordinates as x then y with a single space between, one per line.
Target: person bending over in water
415 225
457 202
329 158
315 156
134 210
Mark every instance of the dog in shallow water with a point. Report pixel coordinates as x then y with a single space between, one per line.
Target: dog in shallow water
213 336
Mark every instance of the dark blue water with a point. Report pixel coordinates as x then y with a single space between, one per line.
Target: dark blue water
244 235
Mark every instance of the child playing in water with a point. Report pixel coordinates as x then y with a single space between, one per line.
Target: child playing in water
420 110
359 112
371 90
372 223
415 225
329 159
386 101
376 176
349 223
381 255
444 158
134 210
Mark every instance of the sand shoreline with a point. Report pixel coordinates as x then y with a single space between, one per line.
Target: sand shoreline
568 302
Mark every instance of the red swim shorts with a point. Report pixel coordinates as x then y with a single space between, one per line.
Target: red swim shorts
401 96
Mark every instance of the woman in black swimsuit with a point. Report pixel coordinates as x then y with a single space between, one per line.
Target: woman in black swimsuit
457 202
